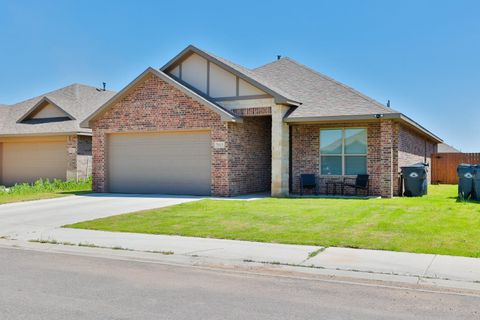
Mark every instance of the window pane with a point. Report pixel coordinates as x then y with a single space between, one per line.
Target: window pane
355 165
331 165
355 141
331 141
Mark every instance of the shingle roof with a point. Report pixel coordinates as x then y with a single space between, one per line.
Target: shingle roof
77 100
320 95
445 148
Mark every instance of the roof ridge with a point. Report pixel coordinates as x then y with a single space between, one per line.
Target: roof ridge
43 95
358 93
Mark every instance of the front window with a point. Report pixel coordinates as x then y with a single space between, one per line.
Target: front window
343 151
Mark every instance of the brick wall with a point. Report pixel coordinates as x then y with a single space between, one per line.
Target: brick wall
154 105
306 153
413 148
72 157
250 155
390 146
249 112
84 157
79 160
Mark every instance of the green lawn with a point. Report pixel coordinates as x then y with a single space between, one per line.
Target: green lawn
44 189
436 223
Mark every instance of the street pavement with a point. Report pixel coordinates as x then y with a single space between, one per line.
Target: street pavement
42 285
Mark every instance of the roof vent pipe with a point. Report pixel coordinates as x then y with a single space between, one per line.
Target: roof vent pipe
279 56
104 86
388 103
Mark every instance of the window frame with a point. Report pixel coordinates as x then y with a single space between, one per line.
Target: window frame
343 155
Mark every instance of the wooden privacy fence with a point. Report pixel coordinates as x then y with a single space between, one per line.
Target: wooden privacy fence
444 165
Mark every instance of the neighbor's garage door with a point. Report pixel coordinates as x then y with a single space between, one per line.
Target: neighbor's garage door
30 161
170 163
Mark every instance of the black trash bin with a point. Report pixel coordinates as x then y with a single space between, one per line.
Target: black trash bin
476 182
415 180
465 174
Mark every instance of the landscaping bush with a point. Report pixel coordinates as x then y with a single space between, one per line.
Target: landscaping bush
47 186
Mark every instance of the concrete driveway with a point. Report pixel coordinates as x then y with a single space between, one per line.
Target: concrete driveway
26 219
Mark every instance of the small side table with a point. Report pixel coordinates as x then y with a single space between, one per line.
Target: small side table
335 185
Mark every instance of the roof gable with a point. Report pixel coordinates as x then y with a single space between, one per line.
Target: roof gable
45 109
249 78
76 101
225 114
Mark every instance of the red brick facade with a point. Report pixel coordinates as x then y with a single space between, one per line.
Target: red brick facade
79 150
390 146
412 148
154 105
244 164
250 155
254 111
306 153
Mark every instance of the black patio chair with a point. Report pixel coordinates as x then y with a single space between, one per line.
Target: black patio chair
308 181
361 183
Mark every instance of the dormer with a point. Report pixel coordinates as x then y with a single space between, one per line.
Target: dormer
43 111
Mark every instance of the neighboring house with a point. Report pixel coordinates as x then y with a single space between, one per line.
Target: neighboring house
446 148
204 125
41 137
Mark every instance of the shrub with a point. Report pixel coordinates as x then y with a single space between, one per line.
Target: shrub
45 186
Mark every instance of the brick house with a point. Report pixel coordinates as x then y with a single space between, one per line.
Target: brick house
41 137
204 125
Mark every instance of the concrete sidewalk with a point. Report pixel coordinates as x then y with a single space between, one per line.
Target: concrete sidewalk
406 267
42 220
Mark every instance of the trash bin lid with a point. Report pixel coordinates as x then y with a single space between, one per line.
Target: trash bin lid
416 165
466 170
466 165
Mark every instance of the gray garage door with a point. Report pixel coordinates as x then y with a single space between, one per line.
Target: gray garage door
30 161
169 163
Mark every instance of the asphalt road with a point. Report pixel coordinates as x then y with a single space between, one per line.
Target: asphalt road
39 285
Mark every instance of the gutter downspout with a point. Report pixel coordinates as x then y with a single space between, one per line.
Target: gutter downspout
290 170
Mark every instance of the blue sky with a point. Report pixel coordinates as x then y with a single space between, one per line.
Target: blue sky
422 55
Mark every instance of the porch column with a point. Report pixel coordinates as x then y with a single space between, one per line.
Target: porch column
280 152
386 158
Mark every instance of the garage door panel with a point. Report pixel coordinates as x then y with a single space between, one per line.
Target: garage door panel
30 161
171 163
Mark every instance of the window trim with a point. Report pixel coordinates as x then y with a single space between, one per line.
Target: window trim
343 155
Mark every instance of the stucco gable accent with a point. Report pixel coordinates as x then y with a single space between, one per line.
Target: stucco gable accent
39 106
225 115
246 75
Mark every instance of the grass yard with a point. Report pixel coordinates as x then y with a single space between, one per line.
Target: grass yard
436 223
43 189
